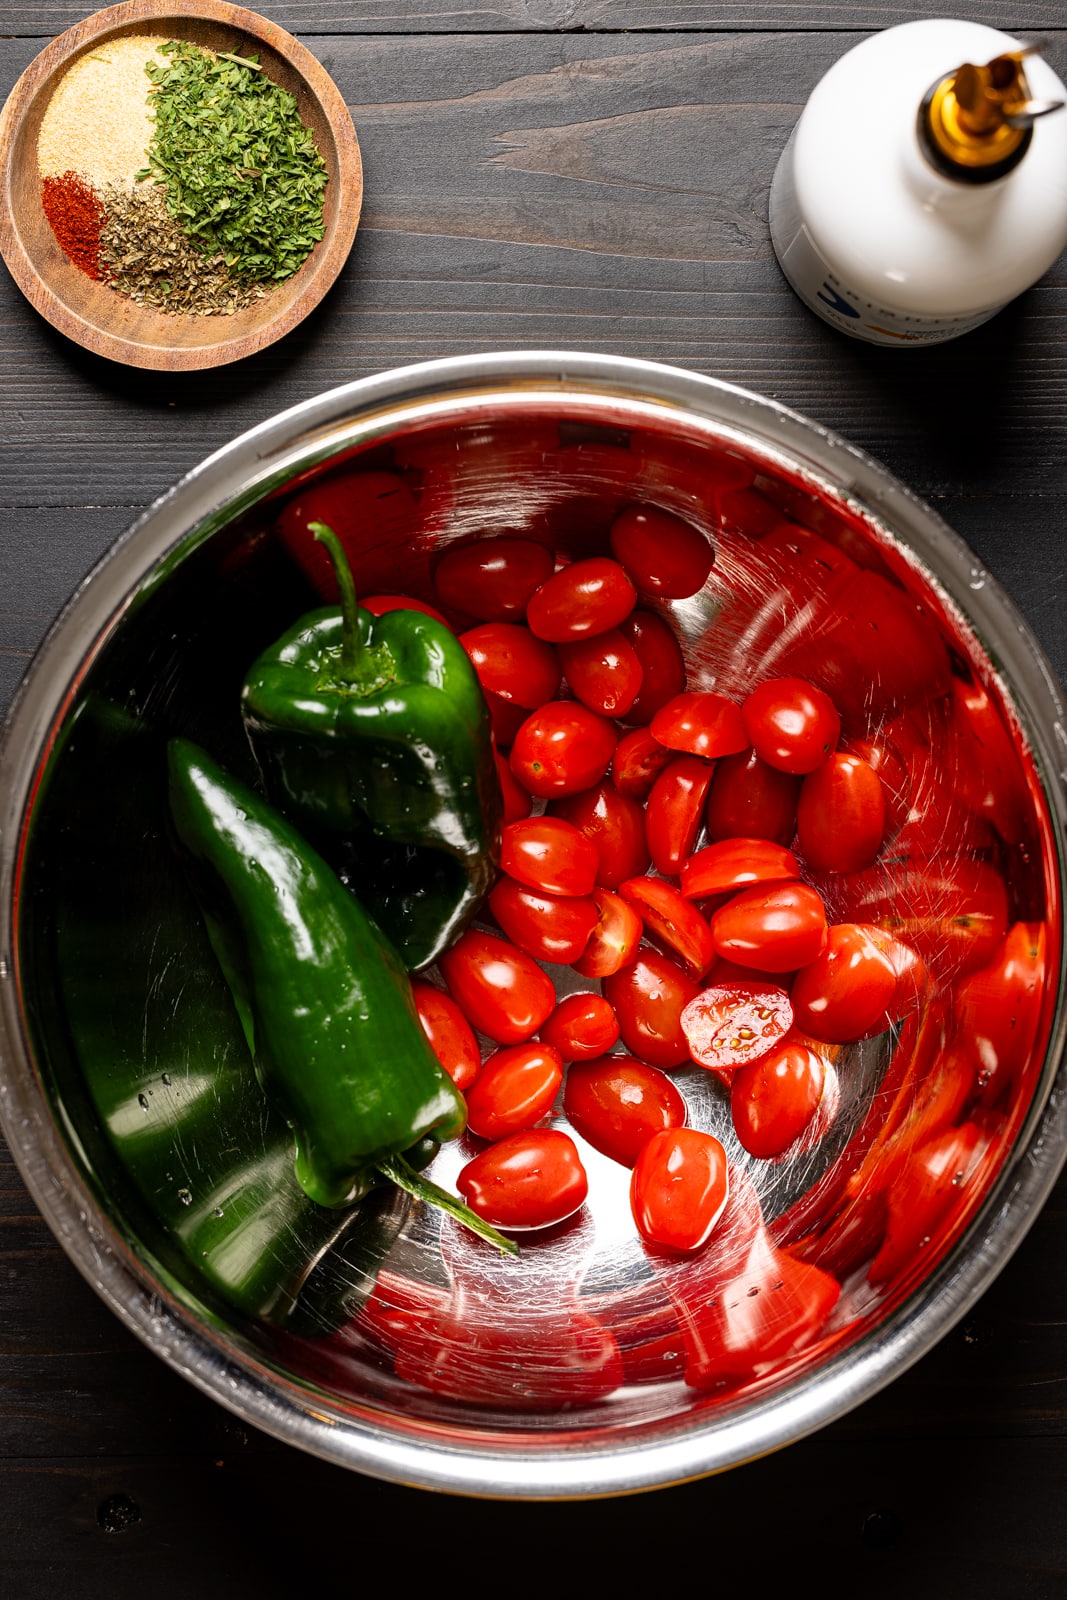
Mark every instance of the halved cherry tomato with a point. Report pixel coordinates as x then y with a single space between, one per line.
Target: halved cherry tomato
733 864
662 664
562 748
517 803
501 990
773 1099
587 597
512 663
674 811
731 1022
998 1009
531 1179
379 604
679 1189
450 1034
515 1089
665 556
550 854
750 800
603 672
614 940
775 929
617 1103
841 815
701 723
492 579
582 1026
791 724
549 927
638 761
848 991
649 997
615 825
672 920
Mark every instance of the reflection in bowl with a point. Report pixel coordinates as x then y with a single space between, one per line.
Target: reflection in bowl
386 1337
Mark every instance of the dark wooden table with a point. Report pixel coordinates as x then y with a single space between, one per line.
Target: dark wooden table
566 174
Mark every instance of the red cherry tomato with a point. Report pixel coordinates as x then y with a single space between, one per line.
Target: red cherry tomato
841 815
517 803
730 1023
750 800
588 597
983 761
512 663
736 864
549 927
530 1179
671 920
501 990
666 557
998 1009
662 664
379 604
550 854
614 940
638 761
679 1189
775 929
674 811
849 990
701 723
617 1103
582 1026
791 724
492 579
506 718
615 825
515 1089
773 1099
649 997
893 775
561 749
451 1036
603 672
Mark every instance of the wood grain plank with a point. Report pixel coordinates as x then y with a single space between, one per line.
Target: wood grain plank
310 19
565 193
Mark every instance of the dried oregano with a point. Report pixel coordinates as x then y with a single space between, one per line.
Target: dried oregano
242 174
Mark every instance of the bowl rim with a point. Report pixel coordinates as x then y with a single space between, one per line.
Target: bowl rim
322 268
238 475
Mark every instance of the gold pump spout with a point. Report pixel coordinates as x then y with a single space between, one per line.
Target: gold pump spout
976 123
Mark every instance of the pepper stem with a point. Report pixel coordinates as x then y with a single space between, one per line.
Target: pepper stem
398 1171
352 651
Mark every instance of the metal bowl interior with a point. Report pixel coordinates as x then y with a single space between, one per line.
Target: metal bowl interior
384 1339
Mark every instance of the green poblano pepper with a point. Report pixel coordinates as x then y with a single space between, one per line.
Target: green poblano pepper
324 999
372 735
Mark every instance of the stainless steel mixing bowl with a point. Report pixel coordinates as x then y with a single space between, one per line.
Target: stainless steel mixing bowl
386 1342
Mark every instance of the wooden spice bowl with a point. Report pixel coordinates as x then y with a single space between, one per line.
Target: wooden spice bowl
99 317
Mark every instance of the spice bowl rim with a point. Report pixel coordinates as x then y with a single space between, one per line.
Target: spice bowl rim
477 1463
106 322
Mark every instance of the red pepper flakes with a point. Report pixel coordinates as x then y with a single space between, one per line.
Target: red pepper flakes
77 217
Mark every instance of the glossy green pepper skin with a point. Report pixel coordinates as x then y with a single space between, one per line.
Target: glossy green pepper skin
324 1000
373 737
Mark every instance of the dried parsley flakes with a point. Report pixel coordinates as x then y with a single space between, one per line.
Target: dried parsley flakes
243 176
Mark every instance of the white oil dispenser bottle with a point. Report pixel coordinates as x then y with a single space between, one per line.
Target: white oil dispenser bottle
925 184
